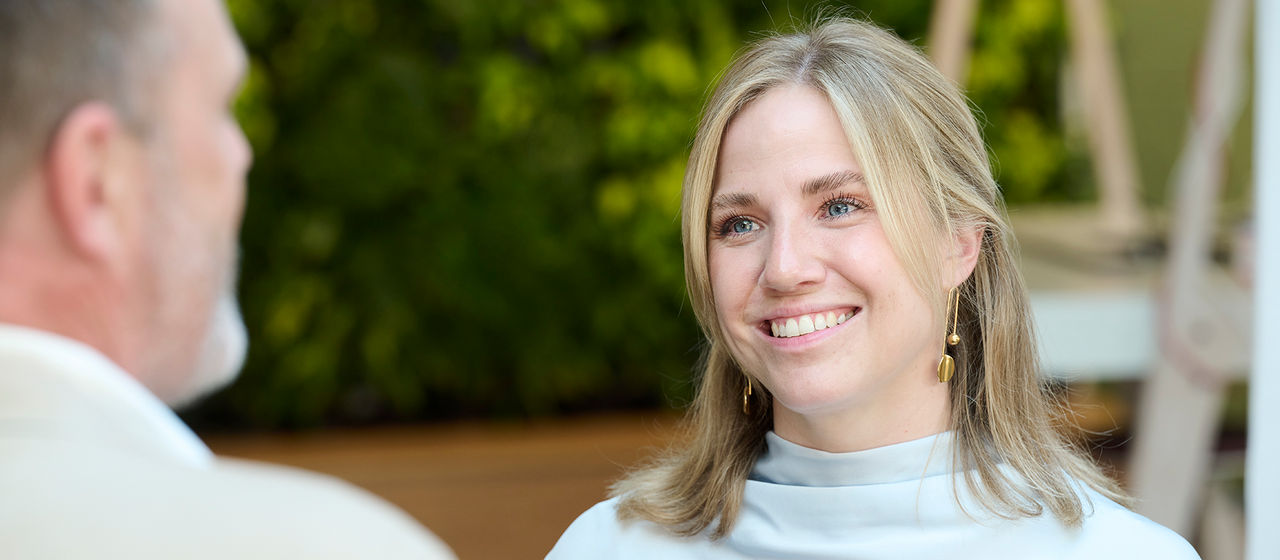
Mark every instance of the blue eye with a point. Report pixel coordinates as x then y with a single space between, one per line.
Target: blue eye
735 226
741 226
840 206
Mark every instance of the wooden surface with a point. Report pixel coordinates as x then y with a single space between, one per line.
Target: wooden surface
489 490
507 491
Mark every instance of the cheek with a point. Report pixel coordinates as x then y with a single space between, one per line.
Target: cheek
731 281
908 321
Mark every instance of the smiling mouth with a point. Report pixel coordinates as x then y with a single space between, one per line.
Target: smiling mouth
800 325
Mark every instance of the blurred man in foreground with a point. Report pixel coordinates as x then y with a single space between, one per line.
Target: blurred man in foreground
121 192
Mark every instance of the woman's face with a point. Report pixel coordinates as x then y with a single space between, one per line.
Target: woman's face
813 301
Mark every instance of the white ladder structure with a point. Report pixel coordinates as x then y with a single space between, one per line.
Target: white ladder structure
1184 328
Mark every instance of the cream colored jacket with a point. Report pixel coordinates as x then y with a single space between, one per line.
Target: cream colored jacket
92 465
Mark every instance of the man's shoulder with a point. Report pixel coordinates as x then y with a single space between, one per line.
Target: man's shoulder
305 502
234 508
297 491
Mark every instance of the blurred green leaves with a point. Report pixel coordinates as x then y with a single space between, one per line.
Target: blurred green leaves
465 209
1015 79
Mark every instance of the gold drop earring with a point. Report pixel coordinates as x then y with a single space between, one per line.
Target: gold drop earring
947 366
746 398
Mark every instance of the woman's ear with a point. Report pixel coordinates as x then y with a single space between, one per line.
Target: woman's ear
966 245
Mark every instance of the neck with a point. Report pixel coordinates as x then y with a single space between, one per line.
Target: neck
81 314
916 407
43 285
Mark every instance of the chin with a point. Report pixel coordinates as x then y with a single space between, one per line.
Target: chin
811 398
222 353
815 391
807 403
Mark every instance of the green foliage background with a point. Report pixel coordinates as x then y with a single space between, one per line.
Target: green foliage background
470 209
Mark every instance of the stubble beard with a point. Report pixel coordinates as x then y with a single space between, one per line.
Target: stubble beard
221 355
204 358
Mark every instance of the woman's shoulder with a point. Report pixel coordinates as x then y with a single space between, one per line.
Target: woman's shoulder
599 534
1114 531
595 529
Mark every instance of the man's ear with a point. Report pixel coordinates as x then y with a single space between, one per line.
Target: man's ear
966 245
83 168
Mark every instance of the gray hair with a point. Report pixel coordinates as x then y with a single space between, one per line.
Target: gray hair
58 54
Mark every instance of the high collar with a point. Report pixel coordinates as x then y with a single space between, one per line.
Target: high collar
52 384
902 493
787 463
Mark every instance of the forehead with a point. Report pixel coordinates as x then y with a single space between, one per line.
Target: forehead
787 136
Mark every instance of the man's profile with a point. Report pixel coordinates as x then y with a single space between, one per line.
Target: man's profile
122 186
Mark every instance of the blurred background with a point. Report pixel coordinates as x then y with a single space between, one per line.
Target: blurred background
461 264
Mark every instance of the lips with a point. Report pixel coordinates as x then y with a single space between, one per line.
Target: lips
800 325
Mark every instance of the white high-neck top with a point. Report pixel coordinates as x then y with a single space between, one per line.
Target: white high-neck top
892 502
793 464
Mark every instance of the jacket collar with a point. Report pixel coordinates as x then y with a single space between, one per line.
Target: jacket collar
53 386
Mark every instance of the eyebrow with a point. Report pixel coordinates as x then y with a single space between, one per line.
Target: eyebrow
812 187
733 200
831 181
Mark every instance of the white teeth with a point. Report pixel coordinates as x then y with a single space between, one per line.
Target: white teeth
792 329
806 324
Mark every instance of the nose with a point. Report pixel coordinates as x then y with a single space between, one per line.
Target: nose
793 262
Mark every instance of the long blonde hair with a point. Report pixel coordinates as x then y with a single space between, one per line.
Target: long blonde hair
925 165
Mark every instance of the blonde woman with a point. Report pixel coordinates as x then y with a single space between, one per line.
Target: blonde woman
870 387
